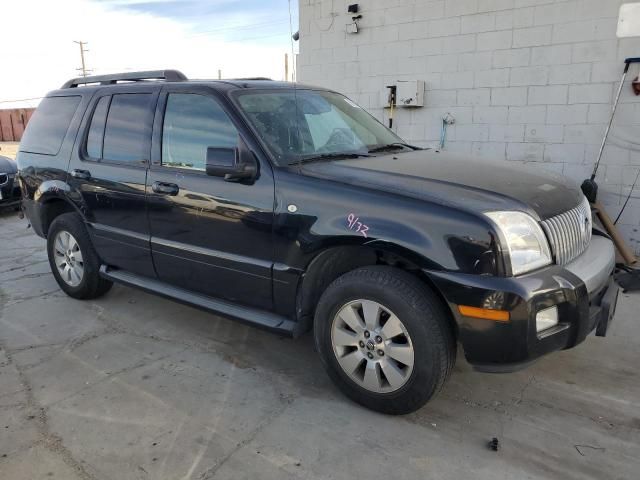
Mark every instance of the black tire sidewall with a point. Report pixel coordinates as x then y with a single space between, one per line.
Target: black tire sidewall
72 223
417 317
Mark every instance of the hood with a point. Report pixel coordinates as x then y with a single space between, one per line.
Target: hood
453 180
7 165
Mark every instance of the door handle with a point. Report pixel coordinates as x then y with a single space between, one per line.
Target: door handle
81 174
165 188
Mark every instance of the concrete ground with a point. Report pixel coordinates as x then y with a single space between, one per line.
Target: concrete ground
132 386
9 149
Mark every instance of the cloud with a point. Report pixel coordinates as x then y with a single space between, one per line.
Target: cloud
120 38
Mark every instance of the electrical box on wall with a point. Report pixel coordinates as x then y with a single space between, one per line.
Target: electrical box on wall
406 93
410 93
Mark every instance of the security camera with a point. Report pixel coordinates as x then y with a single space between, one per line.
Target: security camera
296 36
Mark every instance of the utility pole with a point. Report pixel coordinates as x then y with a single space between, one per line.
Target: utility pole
286 67
219 74
82 69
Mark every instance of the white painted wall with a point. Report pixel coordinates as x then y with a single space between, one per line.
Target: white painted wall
526 80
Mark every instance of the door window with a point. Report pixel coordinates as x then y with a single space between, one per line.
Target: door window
96 130
127 135
192 123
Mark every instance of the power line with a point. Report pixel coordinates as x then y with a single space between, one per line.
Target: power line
85 71
242 39
238 27
21 100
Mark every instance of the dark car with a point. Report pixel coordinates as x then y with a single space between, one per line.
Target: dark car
9 190
290 208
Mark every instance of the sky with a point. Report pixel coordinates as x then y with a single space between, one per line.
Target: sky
198 37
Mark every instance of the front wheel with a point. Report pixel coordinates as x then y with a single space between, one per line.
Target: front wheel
384 338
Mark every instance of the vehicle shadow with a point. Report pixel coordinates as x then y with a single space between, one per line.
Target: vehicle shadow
9 212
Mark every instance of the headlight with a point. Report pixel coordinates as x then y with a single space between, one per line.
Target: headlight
527 247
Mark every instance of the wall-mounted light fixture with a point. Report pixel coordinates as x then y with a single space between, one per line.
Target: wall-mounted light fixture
353 27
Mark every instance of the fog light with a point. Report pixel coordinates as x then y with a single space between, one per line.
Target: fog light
546 318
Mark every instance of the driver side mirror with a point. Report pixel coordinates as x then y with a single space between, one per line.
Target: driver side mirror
233 164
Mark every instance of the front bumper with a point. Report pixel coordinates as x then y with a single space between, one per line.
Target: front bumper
583 291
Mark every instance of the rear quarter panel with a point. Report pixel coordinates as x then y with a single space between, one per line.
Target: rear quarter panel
43 177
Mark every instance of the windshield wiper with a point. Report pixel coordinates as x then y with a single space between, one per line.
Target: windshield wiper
329 156
393 146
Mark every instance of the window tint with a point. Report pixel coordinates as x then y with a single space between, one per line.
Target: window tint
49 124
191 124
127 136
96 130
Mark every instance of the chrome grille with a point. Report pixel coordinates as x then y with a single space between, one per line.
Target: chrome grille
569 233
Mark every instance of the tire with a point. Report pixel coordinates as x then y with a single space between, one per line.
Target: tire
386 378
83 258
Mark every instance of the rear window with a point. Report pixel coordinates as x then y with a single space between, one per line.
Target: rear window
49 124
127 135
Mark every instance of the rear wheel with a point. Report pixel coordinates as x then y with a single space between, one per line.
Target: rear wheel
74 262
384 339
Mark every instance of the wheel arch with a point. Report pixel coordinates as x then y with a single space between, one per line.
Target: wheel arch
337 260
51 208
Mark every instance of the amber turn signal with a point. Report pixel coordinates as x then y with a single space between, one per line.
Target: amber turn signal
484 313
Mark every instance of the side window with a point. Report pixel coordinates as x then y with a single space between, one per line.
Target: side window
96 129
49 124
191 124
127 133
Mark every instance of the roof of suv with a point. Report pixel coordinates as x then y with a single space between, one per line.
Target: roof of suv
172 76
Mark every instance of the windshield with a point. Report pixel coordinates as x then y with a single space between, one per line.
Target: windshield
326 124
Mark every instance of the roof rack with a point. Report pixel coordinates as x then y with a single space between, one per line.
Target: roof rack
111 79
247 79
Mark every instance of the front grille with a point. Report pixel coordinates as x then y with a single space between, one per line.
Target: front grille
4 178
569 233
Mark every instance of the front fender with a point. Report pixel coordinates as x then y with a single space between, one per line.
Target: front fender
433 236
313 215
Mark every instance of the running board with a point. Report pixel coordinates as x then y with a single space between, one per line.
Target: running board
252 316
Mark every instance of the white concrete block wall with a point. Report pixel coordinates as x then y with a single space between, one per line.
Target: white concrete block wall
526 80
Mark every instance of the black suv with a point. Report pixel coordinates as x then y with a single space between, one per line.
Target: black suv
289 207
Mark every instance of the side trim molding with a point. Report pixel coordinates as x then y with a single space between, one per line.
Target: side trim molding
119 231
207 252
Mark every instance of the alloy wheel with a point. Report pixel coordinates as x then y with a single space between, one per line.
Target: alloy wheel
68 258
372 346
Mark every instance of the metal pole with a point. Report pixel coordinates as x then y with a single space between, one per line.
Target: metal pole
613 112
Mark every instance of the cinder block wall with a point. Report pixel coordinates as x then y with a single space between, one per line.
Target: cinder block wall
526 80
